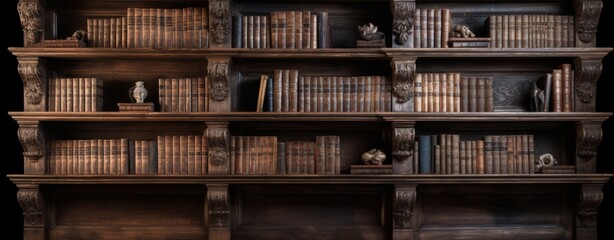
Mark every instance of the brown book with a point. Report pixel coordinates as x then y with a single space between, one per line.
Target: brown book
464 94
565 32
333 94
560 169
443 92
511 155
499 31
557 90
145 27
425 28
550 35
511 29
187 24
239 155
278 89
285 92
525 31
306 24
293 90
489 105
503 165
437 19
106 33
198 28
254 31
525 154
315 95
566 79
455 154
505 31
153 28
178 28
571 30
417 29
446 18
261 93
205 157
298 29
169 28
313 28
478 153
418 93
492 30
430 23
245 32
198 155
274 30
531 153
189 155
489 151
481 94
264 32
307 94
290 29
473 94
91 32
518 25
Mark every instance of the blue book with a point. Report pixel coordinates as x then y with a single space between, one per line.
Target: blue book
425 153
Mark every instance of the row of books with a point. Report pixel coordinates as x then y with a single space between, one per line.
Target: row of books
449 92
182 94
180 155
431 28
495 154
152 28
75 95
283 29
94 156
532 31
557 87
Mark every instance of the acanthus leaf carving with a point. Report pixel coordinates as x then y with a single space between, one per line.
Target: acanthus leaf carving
31 75
217 141
403 20
588 13
586 83
588 139
218 81
588 205
32 141
31 17
405 201
403 80
32 205
220 19
403 143
218 207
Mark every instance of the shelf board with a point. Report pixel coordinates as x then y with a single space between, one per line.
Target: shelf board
325 53
315 179
302 116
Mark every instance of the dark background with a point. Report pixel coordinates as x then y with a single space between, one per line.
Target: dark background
11 219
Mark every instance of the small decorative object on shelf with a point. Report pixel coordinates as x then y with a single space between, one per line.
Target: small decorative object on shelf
461 31
370 37
77 39
545 160
462 37
373 157
537 98
137 94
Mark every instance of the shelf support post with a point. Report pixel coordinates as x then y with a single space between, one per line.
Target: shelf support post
587 72
33 206
32 141
220 18
218 85
218 139
588 137
404 202
403 72
403 147
218 211
32 18
589 200
33 74
586 21
402 23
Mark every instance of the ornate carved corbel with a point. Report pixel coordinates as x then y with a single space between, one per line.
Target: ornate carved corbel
403 144
217 143
402 22
31 201
588 137
219 20
587 72
219 80
587 20
32 74
403 205
218 205
31 16
588 204
33 142
403 79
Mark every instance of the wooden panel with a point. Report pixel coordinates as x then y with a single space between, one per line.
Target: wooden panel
310 212
127 212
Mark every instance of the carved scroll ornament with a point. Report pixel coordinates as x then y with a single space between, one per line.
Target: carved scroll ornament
219 81
31 74
403 80
403 143
218 207
403 20
586 84
588 204
220 19
32 204
587 17
404 208
216 141
588 139
31 17
32 141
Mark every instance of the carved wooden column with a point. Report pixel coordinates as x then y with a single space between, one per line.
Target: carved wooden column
588 137
587 20
587 72
31 15
220 27
33 74
403 135
33 206
402 23
218 211
403 71
218 145
33 142
403 205
589 200
218 85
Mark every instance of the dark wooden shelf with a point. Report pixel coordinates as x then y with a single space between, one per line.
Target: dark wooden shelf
314 179
327 53
322 117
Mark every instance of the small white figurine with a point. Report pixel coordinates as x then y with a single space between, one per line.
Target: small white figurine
138 93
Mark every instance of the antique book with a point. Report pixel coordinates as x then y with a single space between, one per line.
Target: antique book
62 43
371 169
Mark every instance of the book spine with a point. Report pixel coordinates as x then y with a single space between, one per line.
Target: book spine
417 29
446 18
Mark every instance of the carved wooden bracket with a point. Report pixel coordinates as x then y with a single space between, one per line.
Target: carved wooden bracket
32 74
217 139
588 203
403 79
402 21
220 19
33 142
31 201
588 137
219 80
31 16
218 205
403 206
587 19
403 144
587 72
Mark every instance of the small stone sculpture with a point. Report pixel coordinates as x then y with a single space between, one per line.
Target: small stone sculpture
461 31
545 160
369 32
373 157
78 35
138 93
